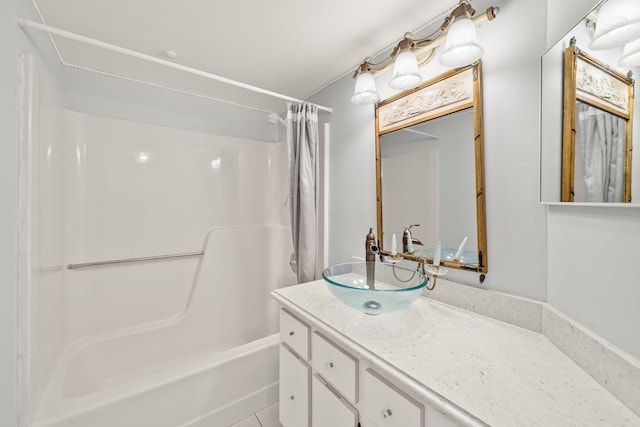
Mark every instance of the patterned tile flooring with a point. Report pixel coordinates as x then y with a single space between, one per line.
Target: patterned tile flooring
267 417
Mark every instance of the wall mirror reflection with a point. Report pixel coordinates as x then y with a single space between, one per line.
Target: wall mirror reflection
597 130
589 118
429 162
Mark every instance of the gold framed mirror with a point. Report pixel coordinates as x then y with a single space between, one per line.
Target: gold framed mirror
430 170
596 131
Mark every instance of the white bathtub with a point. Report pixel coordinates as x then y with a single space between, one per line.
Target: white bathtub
212 365
209 391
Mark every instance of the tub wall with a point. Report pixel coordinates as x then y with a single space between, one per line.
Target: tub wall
41 237
138 189
121 185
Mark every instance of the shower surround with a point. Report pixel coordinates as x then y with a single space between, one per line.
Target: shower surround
177 341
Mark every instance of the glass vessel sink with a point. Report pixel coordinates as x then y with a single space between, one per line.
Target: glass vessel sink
374 288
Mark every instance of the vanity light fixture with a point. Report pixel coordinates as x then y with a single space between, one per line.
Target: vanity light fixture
457 32
618 23
631 54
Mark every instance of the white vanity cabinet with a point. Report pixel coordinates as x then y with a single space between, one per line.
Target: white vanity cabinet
295 376
385 405
435 365
323 385
295 372
329 408
336 366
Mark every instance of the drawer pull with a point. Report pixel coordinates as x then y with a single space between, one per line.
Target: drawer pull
386 414
291 397
329 365
291 333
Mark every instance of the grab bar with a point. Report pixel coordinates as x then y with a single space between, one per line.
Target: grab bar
140 259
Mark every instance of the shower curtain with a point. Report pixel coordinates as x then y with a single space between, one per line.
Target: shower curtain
302 143
599 161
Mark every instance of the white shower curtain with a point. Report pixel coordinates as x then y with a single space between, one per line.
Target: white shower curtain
302 143
599 156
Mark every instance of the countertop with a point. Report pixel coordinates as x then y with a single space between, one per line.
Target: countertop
497 373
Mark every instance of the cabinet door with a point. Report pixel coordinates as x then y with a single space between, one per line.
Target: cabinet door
336 366
387 406
328 409
295 334
294 390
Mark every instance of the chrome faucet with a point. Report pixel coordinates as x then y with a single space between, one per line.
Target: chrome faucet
408 240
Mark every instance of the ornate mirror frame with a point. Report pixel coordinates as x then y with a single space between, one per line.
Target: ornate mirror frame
450 92
594 83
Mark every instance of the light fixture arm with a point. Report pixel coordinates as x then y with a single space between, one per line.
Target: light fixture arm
424 48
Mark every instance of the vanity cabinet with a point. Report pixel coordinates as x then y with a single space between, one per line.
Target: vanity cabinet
329 408
337 367
385 405
295 334
295 376
295 372
323 385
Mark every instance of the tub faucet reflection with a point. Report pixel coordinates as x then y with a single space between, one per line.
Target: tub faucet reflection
408 240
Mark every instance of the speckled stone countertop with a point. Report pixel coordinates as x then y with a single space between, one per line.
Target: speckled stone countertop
486 371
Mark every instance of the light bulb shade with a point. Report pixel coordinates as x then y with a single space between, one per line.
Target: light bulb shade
365 92
405 71
630 54
461 46
618 23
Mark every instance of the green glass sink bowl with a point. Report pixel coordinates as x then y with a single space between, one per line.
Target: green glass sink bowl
384 288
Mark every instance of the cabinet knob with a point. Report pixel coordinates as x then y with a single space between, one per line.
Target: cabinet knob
291 397
291 333
329 365
386 414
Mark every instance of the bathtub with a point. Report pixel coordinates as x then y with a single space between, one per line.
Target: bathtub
212 365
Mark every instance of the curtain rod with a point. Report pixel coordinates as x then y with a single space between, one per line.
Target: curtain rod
25 23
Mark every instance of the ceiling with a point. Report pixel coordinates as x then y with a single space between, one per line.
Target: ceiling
293 47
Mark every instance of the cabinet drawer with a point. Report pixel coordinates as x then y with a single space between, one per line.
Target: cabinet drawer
328 409
337 367
387 406
294 390
295 334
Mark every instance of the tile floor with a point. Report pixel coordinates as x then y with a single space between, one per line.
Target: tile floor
267 417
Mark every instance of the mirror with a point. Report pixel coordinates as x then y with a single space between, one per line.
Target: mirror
430 170
568 172
596 130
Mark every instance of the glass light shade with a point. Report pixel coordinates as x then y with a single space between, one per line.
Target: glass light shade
631 54
618 23
461 46
405 71
365 92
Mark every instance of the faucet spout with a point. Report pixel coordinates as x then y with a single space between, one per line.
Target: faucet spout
371 249
408 239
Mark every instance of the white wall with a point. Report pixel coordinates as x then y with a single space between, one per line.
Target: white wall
516 224
593 251
8 213
603 299
12 41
